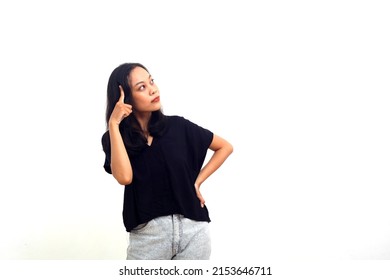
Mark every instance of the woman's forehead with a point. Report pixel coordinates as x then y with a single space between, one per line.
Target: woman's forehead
137 75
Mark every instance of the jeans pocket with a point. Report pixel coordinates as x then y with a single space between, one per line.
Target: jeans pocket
141 227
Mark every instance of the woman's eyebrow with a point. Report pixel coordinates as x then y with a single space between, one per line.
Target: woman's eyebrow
140 82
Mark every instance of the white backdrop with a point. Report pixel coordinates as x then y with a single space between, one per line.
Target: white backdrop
300 89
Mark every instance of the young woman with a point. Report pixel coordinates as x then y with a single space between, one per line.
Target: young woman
159 159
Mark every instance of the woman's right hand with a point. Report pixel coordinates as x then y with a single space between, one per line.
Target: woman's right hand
121 109
120 162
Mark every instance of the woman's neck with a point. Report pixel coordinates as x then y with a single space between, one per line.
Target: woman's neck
143 119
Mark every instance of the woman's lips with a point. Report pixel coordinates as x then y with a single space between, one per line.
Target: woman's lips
157 99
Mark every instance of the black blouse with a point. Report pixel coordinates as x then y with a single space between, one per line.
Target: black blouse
164 174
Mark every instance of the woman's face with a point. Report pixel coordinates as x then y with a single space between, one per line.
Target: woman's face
146 95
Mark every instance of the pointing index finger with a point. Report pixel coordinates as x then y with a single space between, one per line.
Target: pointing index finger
122 96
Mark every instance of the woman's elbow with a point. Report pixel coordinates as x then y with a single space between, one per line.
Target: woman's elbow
229 148
124 180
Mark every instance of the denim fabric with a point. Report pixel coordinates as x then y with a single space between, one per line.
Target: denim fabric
172 237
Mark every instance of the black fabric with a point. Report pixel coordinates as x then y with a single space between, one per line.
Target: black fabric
164 174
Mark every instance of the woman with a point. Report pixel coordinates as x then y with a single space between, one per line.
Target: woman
159 159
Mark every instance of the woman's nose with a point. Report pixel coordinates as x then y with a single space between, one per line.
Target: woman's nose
152 91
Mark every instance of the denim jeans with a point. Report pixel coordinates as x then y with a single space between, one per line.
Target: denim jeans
172 237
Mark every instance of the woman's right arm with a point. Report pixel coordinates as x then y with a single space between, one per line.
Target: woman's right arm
120 162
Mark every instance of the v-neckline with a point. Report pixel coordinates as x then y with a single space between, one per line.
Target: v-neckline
151 141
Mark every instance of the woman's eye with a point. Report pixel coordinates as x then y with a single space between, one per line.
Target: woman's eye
141 87
152 81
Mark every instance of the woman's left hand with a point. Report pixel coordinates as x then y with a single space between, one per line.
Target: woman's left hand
199 195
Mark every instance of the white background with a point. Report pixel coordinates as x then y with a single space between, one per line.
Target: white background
300 89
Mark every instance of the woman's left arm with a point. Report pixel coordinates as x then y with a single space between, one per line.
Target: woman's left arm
222 149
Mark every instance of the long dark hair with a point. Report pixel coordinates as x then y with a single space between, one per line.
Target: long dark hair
132 135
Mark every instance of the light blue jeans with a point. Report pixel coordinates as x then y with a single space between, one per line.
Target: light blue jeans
172 237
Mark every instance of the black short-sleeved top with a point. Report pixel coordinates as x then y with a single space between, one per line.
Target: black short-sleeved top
164 174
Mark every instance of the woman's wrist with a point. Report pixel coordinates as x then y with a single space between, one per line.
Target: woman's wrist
113 126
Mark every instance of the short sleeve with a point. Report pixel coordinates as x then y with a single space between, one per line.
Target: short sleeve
199 140
107 150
